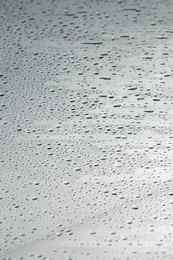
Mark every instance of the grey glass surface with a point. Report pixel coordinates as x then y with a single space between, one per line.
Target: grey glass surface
86 128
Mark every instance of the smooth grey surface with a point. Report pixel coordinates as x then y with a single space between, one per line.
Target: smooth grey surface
86 124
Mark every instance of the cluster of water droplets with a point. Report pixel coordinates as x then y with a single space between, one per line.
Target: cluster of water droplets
86 134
